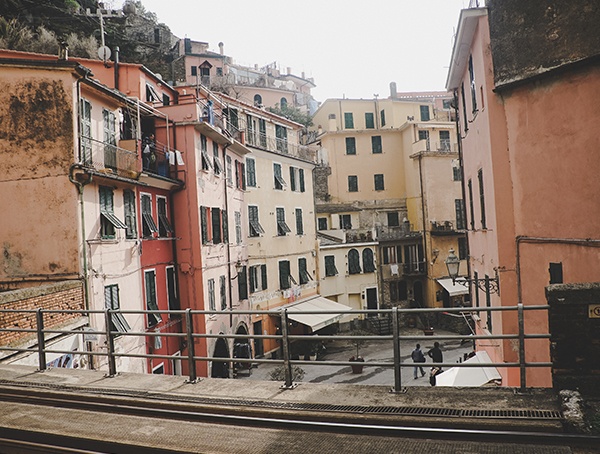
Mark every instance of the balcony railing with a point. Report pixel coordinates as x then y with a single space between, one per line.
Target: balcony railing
109 158
158 159
106 338
387 233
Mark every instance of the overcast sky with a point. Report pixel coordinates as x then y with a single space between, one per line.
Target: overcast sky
351 48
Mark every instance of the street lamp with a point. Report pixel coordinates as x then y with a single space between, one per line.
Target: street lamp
491 285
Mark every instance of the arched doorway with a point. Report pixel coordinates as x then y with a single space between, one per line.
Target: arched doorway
220 369
418 293
242 349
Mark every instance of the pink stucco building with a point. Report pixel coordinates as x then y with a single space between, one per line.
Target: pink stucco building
527 101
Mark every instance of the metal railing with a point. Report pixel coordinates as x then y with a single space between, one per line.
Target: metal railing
39 333
108 158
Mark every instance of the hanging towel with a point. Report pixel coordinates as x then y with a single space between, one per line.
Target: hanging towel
179 158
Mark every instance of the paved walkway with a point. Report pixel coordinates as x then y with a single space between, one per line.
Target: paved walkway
376 351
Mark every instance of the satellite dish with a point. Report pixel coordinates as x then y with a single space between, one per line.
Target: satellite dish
104 53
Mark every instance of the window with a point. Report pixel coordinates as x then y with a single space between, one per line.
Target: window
111 301
472 83
222 289
110 139
398 291
238 227
216 225
348 120
108 221
352 183
229 172
345 221
351 145
285 278
151 304
194 70
148 225
251 172
424 135
392 254
322 224
303 272
456 171
379 186
243 283
464 107
446 104
217 159
173 300
481 198
257 100
211 295
299 223
462 249
262 132
368 262
279 181
166 100
369 120
225 226
445 140
206 161
301 180
459 208
240 175
258 278
86 132
330 269
281 138
293 178
283 103
164 226
556 273
376 144
255 227
382 115
471 209
393 219
353 262
424 113
130 218
204 224
282 227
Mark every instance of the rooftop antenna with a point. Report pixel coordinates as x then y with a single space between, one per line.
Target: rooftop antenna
104 51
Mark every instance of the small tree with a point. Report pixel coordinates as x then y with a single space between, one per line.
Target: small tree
278 374
358 343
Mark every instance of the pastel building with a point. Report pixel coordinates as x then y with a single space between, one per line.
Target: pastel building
523 101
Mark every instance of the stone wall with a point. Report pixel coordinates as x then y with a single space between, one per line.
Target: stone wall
574 322
67 295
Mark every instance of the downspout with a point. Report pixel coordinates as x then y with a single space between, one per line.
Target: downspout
462 179
228 248
423 215
116 68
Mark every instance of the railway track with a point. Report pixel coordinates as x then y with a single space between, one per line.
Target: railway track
135 411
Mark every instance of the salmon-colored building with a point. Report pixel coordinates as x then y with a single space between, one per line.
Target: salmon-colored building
527 101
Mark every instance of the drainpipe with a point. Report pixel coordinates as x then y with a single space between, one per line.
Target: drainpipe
423 215
228 247
116 68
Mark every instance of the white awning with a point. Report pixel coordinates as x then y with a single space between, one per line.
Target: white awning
316 321
454 289
470 376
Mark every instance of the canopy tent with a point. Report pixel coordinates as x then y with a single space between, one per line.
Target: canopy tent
454 289
469 376
315 321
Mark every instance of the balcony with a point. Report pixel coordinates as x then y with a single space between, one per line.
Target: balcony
387 233
278 145
414 268
157 159
109 158
443 228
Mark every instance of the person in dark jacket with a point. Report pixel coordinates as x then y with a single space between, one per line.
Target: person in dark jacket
418 357
437 357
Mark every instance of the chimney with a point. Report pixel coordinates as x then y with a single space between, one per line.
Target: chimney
116 57
289 70
303 76
393 90
332 123
63 51
221 48
255 66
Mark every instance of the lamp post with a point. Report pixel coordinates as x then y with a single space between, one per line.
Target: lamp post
488 285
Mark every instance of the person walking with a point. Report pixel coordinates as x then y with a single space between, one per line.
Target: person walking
437 357
418 357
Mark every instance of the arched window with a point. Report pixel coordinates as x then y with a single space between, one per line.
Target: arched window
257 100
368 262
283 103
353 262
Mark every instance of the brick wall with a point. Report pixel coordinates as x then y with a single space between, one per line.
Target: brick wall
575 336
67 295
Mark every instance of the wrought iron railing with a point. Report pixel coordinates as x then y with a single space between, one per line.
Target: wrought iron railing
400 342
109 158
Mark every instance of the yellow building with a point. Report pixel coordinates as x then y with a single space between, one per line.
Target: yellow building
386 181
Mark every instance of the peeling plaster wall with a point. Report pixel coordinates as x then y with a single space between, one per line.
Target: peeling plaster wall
530 38
38 233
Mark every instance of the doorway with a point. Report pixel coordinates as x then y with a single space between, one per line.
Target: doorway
371 295
220 369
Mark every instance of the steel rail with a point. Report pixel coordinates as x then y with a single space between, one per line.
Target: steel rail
139 407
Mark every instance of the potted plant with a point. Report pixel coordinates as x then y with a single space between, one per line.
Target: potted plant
357 368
